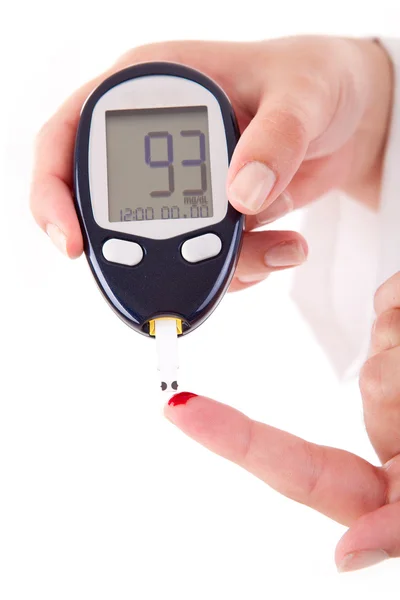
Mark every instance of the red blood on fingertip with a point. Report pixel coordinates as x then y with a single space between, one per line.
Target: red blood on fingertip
180 398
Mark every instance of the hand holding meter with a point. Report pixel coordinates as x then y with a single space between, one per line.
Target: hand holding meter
151 159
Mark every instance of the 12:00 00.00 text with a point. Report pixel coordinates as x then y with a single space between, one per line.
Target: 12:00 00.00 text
167 212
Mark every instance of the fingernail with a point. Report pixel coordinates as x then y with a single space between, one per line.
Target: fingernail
57 237
285 254
252 185
362 559
279 208
180 398
252 277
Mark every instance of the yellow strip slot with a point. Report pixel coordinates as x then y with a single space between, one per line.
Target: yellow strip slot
152 324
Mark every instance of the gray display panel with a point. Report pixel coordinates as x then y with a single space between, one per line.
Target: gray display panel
158 164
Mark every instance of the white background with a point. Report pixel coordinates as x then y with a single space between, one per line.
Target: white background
100 497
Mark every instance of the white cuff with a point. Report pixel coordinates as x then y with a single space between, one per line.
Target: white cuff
352 251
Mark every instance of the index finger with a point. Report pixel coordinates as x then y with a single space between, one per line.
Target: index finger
339 484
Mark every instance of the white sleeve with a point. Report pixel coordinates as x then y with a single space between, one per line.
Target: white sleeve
352 251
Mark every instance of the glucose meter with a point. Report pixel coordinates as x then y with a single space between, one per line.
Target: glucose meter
152 152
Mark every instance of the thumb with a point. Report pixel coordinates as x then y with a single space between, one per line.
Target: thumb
288 127
374 537
267 156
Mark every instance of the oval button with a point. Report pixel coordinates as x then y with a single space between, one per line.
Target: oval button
122 252
201 247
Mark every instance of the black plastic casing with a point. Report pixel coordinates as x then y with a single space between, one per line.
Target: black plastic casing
163 284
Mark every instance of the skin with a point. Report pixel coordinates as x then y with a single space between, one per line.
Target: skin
339 484
315 111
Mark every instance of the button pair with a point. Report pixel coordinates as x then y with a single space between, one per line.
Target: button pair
194 250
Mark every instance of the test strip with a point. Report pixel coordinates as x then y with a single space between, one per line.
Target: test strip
167 353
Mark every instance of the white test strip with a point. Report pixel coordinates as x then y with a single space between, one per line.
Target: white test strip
167 353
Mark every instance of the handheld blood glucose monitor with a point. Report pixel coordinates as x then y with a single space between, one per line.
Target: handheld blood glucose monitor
151 158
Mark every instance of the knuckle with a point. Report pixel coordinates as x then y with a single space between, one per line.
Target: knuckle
379 295
313 83
387 325
305 489
288 125
388 294
316 462
246 450
43 131
371 380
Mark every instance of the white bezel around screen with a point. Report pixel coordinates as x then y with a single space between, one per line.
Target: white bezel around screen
157 91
